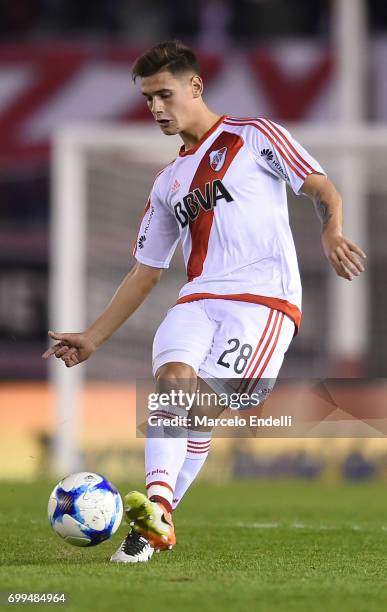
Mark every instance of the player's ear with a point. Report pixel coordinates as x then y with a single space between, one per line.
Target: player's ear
197 86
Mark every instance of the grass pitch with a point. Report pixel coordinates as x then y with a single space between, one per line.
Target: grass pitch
280 546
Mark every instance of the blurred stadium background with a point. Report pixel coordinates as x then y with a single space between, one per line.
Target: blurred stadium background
318 67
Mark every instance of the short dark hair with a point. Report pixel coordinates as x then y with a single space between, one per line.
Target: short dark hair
171 55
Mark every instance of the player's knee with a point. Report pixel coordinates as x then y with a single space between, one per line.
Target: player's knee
176 375
175 371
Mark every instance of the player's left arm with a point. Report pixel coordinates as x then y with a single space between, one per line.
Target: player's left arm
344 255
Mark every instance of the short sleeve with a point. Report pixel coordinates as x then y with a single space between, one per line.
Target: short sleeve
282 155
158 234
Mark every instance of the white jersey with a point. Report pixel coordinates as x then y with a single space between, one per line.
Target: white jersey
225 200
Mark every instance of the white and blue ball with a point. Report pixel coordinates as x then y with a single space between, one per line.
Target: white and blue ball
85 509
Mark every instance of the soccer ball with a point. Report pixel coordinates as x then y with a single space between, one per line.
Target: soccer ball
85 509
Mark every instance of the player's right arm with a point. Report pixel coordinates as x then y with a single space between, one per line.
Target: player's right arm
155 244
73 348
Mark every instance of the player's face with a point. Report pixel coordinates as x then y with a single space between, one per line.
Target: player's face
171 99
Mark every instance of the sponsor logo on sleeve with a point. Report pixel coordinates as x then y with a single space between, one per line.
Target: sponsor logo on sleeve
142 238
267 153
269 156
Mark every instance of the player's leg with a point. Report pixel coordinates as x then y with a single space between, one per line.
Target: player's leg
198 447
165 453
181 343
185 336
260 338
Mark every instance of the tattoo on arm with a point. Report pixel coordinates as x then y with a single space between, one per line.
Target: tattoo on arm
323 213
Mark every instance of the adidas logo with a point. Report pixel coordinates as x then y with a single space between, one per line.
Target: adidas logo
267 153
141 241
176 185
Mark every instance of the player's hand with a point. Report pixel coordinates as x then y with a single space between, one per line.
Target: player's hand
344 256
72 349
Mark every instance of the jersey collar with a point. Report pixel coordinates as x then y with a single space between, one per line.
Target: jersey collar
183 152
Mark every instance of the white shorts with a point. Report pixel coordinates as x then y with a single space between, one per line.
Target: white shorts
223 340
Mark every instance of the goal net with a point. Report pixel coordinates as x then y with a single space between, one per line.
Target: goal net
102 176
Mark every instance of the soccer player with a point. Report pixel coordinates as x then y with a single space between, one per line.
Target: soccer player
224 199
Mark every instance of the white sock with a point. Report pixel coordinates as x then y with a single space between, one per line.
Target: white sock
198 446
165 452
